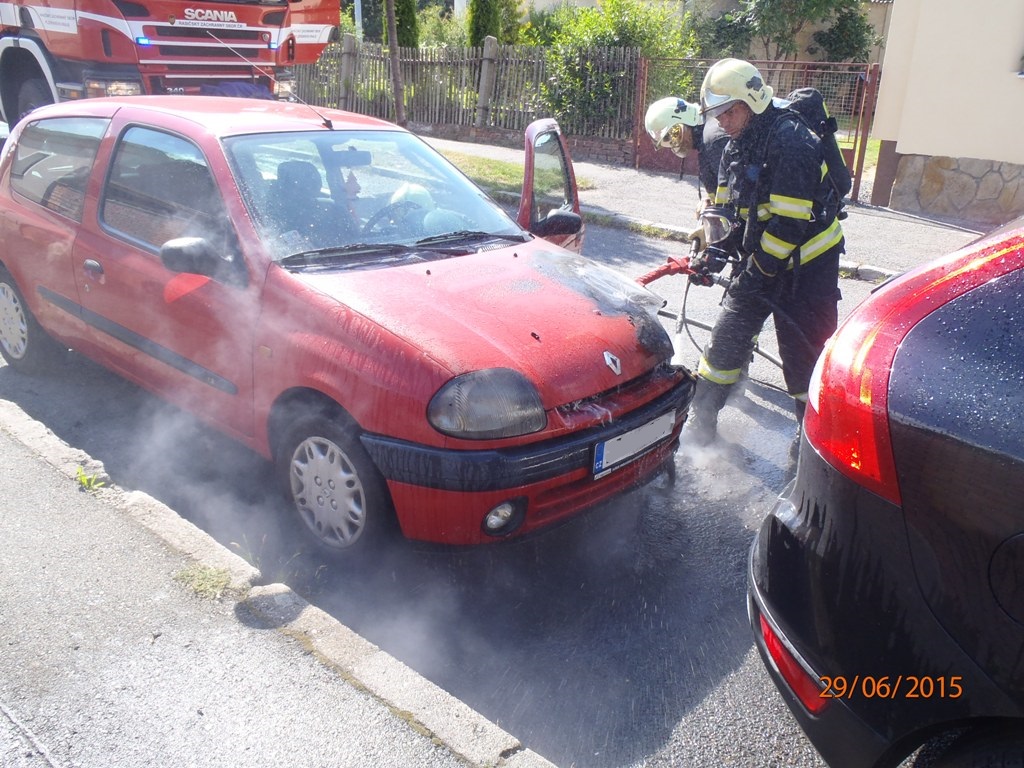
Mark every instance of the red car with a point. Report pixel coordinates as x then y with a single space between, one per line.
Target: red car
329 291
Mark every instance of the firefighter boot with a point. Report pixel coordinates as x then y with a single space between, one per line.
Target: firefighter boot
707 402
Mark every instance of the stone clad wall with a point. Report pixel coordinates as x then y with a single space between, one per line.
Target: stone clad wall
983 192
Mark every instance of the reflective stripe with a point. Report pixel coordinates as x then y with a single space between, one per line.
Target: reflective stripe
721 195
800 397
773 246
793 207
764 212
706 371
821 242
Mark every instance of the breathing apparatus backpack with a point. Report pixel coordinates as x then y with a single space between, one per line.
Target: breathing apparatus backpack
808 106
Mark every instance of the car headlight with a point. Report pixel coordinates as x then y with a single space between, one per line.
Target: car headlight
483 405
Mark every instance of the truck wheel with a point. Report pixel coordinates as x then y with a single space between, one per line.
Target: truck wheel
33 93
986 748
23 342
334 486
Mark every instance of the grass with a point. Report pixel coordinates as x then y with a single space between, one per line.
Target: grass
205 581
89 483
870 153
501 176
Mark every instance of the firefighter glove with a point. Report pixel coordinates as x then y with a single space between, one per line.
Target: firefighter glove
698 242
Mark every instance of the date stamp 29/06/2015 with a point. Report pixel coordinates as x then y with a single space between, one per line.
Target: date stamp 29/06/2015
892 687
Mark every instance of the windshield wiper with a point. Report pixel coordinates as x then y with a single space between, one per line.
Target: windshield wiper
465 234
320 255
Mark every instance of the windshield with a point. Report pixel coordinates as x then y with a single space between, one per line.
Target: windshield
331 192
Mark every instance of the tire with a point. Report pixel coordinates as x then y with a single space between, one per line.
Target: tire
333 485
33 93
985 747
23 343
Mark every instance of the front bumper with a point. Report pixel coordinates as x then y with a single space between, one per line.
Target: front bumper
442 495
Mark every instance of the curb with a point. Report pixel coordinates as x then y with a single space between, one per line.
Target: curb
428 709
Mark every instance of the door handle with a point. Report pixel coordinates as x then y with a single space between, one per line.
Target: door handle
93 269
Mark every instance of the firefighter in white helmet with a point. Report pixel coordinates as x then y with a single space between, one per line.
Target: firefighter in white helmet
677 124
786 235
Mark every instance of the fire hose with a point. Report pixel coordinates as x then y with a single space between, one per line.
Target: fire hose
680 265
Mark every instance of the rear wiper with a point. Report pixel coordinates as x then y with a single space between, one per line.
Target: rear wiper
320 255
465 234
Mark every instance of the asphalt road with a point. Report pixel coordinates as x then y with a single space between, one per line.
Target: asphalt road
618 639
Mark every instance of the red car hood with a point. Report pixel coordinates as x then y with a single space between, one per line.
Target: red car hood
564 322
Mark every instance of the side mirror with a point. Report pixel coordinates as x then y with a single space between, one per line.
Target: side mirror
194 255
559 223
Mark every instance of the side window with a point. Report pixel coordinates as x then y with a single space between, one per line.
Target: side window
160 188
552 190
52 162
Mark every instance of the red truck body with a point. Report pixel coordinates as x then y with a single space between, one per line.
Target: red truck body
61 50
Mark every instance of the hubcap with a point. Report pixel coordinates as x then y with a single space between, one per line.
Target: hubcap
13 323
328 492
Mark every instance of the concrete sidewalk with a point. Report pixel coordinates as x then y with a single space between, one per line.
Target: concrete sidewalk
114 654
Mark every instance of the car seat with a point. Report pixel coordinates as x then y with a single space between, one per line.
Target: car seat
296 204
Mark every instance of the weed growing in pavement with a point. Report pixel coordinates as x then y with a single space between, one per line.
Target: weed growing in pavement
272 569
90 483
207 582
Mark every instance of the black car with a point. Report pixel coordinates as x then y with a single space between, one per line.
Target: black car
886 587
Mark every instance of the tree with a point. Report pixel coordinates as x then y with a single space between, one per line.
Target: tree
578 88
776 24
396 71
726 35
441 27
850 38
508 21
484 20
374 24
408 27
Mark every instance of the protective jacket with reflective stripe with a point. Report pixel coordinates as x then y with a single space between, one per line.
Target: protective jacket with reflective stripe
775 175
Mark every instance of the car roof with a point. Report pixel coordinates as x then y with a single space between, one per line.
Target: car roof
222 115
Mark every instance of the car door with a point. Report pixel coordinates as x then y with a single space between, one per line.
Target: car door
185 336
550 203
46 175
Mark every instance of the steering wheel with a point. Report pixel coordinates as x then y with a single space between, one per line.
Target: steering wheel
392 214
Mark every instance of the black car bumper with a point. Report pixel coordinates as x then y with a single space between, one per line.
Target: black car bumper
495 469
831 572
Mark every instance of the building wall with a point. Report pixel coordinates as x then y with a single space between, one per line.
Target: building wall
950 108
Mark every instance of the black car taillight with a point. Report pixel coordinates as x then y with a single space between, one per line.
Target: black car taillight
847 418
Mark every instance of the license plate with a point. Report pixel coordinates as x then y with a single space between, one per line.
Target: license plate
610 454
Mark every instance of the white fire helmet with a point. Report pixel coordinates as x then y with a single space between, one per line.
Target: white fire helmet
732 80
666 122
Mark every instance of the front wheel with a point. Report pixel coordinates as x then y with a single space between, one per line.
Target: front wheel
23 342
335 488
33 93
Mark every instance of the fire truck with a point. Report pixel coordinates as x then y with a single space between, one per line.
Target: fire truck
59 50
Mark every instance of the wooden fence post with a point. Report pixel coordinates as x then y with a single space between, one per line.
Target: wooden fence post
488 75
348 71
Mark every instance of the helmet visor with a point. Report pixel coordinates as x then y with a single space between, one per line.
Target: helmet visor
679 139
715 104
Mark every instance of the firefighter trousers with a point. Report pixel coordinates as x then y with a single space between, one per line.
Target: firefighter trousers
804 306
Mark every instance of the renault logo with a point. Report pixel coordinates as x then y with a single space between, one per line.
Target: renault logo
613 362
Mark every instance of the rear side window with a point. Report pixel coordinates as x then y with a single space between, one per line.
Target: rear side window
160 188
53 159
